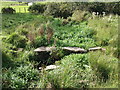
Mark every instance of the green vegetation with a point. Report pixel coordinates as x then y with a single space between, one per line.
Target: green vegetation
22 33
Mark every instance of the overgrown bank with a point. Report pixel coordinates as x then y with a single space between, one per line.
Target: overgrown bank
24 34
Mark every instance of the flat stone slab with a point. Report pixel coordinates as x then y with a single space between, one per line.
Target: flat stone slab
74 49
71 49
50 67
44 49
96 48
48 49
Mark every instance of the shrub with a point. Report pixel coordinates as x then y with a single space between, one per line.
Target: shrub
28 73
40 41
97 7
65 10
37 8
23 32
26 57
17 40
52 9
8 10
62 10
21 77
79 61
72 73
79 15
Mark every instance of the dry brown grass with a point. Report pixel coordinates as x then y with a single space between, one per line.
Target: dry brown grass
41 30
31 36
49 33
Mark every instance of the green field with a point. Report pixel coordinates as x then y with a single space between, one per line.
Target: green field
19 8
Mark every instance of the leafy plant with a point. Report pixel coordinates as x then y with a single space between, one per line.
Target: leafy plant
17 40
40 41
72 73
21 77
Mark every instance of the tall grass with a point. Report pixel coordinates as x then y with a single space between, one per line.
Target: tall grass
105 67
106 32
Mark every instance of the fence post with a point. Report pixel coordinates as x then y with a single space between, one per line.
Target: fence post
25 9
19 10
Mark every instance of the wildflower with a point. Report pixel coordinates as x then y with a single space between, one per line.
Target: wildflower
104 14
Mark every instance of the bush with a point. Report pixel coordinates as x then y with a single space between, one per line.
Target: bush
52 9
26 56
37 8
78 61
62 10
10 80
97 7
17 40
23 32
21 77
40 41
79 15
73 72
8 10
65 10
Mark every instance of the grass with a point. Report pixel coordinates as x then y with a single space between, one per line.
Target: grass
11 21
19 8
76 70
107 32
83 37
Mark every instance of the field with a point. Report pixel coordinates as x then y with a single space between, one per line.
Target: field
19 8
22 67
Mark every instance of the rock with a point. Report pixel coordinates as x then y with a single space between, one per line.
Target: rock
97 48
103 49
50 67
72 49
20 49
75 49
44 49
